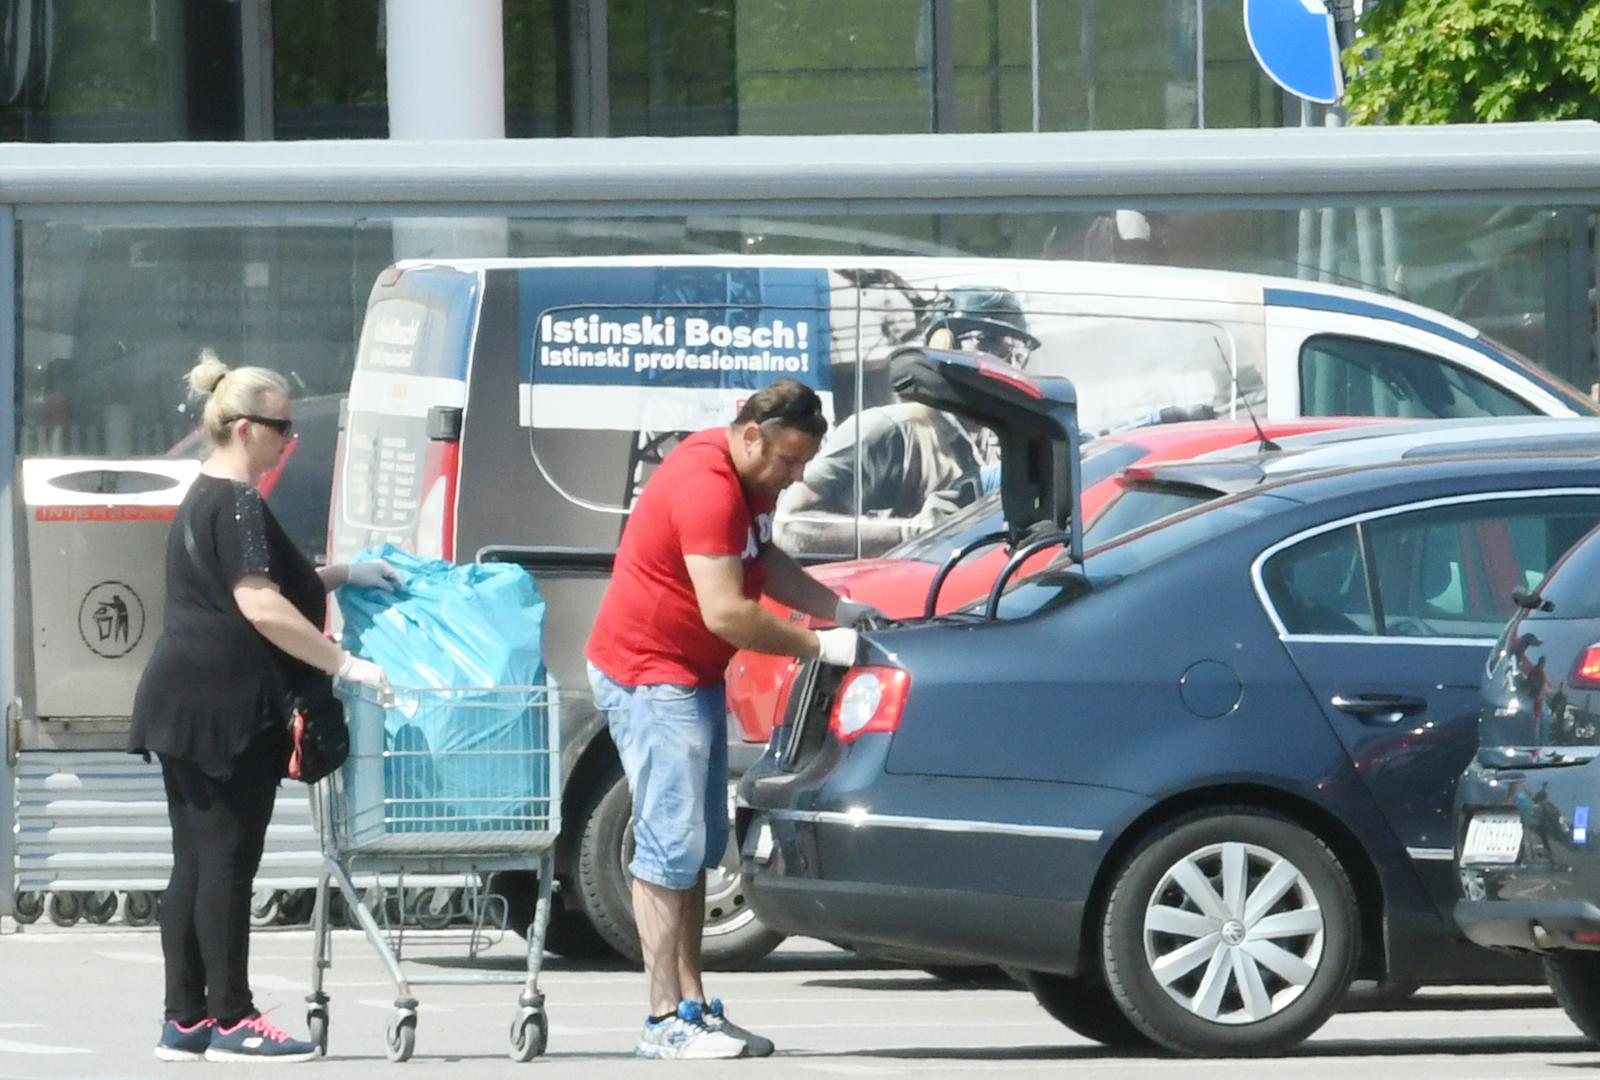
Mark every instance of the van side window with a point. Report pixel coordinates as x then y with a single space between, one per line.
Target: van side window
1345 376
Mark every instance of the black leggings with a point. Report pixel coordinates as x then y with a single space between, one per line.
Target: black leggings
218 830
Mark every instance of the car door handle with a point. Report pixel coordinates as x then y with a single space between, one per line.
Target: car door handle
1379 708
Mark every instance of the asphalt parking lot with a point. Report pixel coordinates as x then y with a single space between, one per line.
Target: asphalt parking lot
85 1003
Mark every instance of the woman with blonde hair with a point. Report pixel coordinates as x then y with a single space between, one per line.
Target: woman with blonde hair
243 627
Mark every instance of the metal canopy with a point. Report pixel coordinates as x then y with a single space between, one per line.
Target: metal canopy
1530 163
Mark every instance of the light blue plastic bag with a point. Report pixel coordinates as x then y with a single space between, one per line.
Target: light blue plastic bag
464 761
479 624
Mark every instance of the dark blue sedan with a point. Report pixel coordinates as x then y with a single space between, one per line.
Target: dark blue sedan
1195 784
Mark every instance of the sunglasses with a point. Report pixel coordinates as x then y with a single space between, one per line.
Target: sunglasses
279 424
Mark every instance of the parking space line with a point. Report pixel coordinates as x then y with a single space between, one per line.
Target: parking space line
9 1046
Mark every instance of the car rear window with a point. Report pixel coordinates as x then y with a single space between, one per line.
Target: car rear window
1569 587
1099 460
1061 582
1142 505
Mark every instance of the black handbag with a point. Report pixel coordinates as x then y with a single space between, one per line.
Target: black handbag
318 733
319 737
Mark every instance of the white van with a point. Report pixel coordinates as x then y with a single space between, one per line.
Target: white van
513 408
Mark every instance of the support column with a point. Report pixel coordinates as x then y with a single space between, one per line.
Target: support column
446 69
446 75
8 556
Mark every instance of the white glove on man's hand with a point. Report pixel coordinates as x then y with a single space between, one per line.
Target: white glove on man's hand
850 613
838 646
365 672
373 574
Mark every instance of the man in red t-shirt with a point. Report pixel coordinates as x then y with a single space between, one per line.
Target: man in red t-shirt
695 558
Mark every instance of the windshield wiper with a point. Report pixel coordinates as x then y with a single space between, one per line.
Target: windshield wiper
1531 601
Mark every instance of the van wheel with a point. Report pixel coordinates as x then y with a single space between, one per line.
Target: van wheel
1086 1006
733 937
1231 932
1575 978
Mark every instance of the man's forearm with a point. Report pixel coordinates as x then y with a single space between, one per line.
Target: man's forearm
748 625
788 583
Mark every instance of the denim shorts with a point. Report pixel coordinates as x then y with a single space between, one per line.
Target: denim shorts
673 741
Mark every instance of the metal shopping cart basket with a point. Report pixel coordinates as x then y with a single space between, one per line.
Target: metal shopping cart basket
454 781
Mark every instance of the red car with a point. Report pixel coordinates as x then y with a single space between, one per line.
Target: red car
897 583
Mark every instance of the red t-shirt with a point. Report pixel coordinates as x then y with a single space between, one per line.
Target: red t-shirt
649 628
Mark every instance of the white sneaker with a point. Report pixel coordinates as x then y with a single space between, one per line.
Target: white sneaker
717 1020
685 1037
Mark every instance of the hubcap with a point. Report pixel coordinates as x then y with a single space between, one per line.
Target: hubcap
1233 933
726 909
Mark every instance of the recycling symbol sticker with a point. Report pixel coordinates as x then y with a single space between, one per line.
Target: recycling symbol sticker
111 619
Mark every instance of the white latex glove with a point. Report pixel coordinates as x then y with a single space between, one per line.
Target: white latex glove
365 672
373 574
938 506
838 646
850 613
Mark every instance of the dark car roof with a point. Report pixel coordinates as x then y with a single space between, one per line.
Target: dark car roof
1286 504
1230 476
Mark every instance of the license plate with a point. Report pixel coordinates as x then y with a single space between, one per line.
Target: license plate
1492 838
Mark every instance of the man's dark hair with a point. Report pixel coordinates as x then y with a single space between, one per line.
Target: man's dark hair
785 403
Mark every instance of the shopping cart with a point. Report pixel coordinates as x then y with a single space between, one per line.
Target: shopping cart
458 781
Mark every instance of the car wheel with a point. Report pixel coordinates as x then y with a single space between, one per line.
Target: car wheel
1575 979
569 934
1229 933
733 937
1085 1005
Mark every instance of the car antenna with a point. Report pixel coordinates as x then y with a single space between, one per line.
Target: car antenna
1266 444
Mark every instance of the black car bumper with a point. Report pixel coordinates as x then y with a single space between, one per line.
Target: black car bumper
1547 897
926 865
1529 925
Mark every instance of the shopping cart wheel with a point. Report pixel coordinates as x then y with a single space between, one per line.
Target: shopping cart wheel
139 909
64 908
29 906
433 909
317 1027
264 907
100 907
530 1033
402 1035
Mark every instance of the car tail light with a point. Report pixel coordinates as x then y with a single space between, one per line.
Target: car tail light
869 699
1587 671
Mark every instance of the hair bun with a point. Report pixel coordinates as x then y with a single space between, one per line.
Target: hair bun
205 375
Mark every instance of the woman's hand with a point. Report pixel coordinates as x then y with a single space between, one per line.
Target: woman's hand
365 672
373 574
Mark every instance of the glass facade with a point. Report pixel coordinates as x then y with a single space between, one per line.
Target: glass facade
112 312
113 309
131 70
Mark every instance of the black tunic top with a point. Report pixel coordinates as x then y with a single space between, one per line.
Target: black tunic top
214 685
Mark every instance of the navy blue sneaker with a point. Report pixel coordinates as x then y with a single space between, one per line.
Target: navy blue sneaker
256 1039
717 1020
179 1043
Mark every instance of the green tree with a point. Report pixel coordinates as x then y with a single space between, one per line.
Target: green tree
1466 61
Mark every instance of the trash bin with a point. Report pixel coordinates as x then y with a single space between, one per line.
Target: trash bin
96 582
